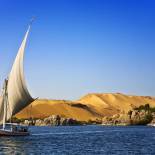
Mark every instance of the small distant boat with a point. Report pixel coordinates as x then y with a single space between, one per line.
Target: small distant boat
15 96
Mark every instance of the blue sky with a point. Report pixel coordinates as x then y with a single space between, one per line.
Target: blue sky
81 46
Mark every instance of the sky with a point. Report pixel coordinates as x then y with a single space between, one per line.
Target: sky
77 47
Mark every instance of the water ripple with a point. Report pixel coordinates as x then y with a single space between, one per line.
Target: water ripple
82 140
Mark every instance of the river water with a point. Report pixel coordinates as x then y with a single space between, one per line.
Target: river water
79 140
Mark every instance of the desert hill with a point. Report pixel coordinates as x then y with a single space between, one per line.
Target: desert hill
91 106
43 108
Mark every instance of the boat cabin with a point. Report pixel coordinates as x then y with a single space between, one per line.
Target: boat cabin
14 127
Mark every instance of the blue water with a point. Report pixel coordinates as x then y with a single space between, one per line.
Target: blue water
79 140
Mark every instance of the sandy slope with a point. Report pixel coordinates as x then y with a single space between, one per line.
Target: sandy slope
91 106
109 104
43 108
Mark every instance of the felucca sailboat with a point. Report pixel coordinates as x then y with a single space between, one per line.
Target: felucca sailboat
15 95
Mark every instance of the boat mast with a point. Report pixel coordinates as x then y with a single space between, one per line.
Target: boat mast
5 101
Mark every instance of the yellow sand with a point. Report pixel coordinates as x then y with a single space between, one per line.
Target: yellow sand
91 106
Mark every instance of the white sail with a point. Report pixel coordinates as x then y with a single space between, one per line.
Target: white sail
18 95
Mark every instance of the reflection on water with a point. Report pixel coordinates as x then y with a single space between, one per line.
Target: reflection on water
82 140
10 145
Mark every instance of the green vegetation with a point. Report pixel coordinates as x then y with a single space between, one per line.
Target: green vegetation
147 118
145 107
130 113
15 120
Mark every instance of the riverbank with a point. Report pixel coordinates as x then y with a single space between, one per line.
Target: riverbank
143 115
88 108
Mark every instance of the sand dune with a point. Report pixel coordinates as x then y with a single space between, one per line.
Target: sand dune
91 106
43 108
109 104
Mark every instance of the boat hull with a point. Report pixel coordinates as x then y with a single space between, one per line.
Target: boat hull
13 133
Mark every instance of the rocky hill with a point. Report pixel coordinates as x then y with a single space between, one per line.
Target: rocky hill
90 107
